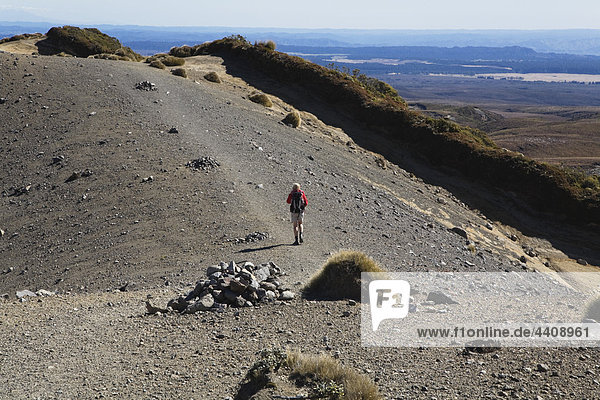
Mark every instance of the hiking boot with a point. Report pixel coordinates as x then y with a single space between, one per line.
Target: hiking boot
301 238
296 243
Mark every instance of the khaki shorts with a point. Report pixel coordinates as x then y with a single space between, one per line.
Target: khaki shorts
297 217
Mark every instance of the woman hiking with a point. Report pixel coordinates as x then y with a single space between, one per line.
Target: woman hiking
297 201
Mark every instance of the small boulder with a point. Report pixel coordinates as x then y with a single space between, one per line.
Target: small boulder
440 298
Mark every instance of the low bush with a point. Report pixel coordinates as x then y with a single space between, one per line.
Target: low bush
84 43
320 375
157 64
331 379
292 119
340 276
212 77
180 72
269 44
262 99
24 36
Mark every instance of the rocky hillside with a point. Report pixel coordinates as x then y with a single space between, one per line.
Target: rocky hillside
122 183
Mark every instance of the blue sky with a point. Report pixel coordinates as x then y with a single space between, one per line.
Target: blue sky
371 14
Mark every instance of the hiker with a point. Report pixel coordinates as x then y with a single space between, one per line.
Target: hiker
297 201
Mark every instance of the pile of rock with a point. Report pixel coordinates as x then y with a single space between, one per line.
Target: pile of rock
230 285
204 163
145 85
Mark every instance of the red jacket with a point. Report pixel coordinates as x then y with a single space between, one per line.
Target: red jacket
289 199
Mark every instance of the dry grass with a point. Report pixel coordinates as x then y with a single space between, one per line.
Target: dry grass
328 371
262 99
180 72
292 119
212 77
157 64
340 276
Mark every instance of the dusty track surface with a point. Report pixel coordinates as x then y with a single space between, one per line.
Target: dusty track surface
86 238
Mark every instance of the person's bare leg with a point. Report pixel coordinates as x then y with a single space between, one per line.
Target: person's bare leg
300 230
296 230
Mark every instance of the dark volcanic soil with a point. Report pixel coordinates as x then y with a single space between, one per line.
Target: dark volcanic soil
135 214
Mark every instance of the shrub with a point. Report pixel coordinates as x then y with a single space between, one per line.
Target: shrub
157 64
292 119
592 309
212 77
332 379
321 375
340 276
171 61
84 43
269 44
180 72
262 99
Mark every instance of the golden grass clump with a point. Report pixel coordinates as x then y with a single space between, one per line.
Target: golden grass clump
180 72
157 64
269 44
334 380
262 99
592 309
292 119
212 77
340 276
171 61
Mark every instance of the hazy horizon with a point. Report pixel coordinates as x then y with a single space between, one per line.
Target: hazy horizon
312 14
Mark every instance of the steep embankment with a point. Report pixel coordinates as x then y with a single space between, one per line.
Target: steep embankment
111 224
539 186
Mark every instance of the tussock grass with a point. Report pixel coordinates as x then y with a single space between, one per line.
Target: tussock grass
23 36
212 77
340 276
84 43
334 381
157 64
592 309
180 72
262 99
168 60
292 119
269 44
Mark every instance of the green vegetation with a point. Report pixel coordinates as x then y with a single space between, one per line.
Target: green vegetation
269 44
331 380
340 276
157 64
262 99
180 72
24 36
292 119
444 143
212 77
322 375
84 43
166 59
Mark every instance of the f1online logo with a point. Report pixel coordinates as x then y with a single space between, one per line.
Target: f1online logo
388 299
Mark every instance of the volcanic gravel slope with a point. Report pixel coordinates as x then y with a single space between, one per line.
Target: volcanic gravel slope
137 218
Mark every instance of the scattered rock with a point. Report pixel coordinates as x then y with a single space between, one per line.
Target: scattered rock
145 85
2 233
204 163
150 309
581 261
5 296
79 174
173 130
148 179
25 293
44 293
459 231
2 100
58 159
542 368
440 298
